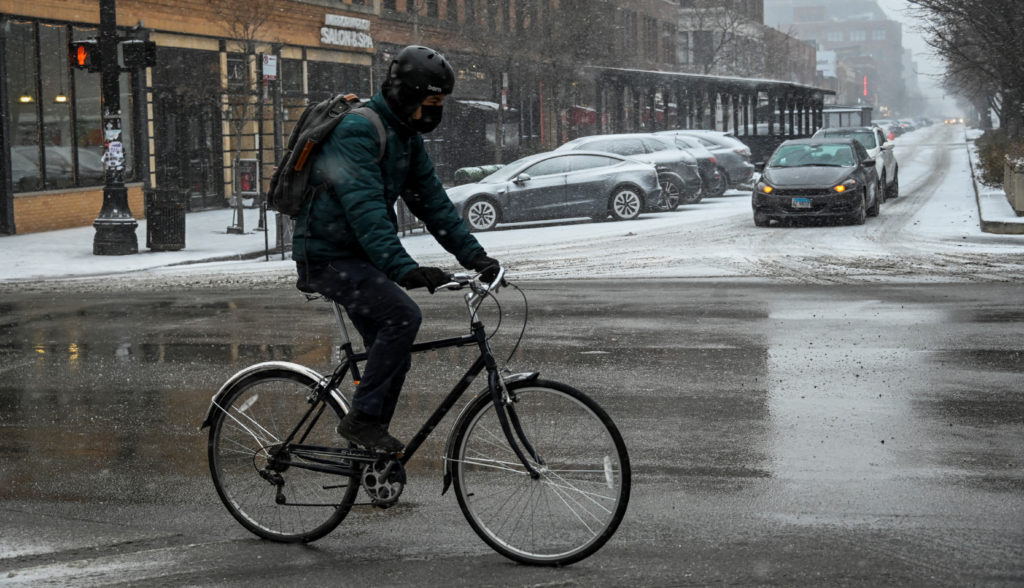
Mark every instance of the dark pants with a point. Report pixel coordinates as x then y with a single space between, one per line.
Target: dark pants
386 318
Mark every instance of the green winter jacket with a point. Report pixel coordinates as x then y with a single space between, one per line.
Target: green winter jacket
356 218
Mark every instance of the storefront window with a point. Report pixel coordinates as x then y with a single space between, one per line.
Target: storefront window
328 79
291 76
56 107
56 139
88 123
23 105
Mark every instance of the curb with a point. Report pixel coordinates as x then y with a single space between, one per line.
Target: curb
994 227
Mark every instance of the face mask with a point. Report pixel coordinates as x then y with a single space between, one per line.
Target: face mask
430 117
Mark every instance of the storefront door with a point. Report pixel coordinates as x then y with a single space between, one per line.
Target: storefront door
189 155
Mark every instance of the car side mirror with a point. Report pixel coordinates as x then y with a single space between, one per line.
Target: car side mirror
887 145
868 163
522 178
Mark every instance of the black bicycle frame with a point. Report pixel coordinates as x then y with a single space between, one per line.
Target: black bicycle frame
506 414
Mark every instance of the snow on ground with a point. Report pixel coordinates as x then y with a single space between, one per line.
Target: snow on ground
931 232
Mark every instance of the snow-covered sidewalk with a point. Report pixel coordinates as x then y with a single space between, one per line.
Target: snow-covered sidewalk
211 253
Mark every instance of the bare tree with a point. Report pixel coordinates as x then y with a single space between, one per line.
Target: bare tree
982 44
242 24
724 40
541 43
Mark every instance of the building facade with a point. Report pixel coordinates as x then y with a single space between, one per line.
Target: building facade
230 80
867 48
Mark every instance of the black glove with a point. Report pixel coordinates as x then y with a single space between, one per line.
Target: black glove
430 278
487 266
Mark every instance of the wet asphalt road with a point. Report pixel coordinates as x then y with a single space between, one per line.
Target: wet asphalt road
780 435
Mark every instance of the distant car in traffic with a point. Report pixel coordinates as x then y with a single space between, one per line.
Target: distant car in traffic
557 185
873 139
732 154
680 177
817 177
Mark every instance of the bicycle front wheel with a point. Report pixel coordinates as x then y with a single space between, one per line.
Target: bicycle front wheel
248 458
578 501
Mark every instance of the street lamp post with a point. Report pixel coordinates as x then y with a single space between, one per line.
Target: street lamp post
115 226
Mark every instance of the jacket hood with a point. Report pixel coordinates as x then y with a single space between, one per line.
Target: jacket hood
380 104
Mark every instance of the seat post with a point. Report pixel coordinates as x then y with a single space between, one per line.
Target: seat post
339 314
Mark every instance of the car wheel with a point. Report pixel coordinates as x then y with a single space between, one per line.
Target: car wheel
482 214
860 215
761 219
875 204
715 188
625 203
893 189
671 189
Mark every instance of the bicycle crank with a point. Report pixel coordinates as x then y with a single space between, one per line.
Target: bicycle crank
383 481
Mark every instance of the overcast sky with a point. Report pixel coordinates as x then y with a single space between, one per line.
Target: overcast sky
929 66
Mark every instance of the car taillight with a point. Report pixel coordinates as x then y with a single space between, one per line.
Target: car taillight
745 152
714 159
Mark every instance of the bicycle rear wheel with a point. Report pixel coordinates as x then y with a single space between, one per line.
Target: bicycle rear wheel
581 496
254 418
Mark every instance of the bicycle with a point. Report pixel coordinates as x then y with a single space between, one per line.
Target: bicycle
539 470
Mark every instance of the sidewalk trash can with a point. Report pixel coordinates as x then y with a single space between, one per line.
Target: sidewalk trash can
165 219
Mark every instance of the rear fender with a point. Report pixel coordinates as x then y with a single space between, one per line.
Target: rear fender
259 368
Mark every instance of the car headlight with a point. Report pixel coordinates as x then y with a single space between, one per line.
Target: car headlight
764 188
847 185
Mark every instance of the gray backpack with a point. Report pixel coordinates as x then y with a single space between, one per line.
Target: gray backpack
289 184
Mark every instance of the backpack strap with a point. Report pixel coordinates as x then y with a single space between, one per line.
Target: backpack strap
372 116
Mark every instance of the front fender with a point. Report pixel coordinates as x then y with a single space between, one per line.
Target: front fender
266 367
449 447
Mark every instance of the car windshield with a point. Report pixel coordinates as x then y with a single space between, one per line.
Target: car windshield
865 138
813 155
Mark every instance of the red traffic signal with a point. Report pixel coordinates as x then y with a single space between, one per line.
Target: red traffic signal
85 55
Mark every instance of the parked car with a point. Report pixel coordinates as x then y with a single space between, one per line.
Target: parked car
733 156
712 180
559 185
680 178
817 177
873 139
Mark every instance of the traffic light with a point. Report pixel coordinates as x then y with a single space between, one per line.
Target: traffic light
85 54
138 53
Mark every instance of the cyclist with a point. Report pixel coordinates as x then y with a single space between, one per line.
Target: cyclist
346 243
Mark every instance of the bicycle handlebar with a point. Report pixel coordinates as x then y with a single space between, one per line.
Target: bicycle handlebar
463 280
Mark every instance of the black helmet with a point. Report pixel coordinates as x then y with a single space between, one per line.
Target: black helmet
415 73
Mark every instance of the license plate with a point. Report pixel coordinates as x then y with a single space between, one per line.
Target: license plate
801 203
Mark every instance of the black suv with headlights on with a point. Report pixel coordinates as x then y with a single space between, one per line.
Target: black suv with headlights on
823 177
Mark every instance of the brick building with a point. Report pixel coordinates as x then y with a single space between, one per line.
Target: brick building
522 66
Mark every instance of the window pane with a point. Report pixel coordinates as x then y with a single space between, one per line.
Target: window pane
56 136
584 162
21 103
291 76
328 79
555 165
88 126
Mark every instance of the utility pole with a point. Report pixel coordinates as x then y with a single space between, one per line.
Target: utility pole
115 226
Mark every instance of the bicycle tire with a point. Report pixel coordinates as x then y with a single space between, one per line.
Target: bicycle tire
257 412
557 519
